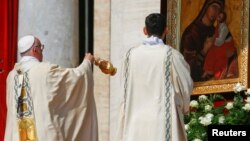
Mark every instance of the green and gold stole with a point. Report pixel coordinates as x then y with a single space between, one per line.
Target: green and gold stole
24 108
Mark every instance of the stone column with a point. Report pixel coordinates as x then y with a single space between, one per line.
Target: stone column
55 22
102 50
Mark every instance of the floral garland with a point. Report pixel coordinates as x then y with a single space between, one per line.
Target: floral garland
204 113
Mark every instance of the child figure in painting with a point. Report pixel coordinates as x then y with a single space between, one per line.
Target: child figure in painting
221 60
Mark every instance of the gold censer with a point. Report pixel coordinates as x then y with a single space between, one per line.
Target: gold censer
105 66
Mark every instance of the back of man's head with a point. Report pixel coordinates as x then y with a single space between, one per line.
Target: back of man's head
155 24
25 43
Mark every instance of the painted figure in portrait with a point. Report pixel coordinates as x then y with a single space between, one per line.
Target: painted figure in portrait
208 46
221 59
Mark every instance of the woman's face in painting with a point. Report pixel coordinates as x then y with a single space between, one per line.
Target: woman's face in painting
212 11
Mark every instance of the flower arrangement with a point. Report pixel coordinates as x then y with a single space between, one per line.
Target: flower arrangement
204 113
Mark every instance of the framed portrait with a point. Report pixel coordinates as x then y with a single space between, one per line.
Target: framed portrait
218 58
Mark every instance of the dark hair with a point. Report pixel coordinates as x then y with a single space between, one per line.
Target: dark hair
155 24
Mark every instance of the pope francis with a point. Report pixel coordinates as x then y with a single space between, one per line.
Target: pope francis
46 102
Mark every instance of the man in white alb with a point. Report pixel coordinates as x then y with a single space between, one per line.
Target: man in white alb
46 102
157 88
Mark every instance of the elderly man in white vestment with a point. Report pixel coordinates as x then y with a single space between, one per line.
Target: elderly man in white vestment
157 88
46 102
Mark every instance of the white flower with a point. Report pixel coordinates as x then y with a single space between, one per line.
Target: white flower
221 119
202 98
197 140
186 127
248 100
208 108
209 115
194 104
229 105
207 120
246 107
247 92
238 88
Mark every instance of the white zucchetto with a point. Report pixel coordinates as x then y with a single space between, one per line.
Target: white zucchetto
25 43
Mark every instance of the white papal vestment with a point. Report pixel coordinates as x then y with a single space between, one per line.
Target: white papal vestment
157 88
62 101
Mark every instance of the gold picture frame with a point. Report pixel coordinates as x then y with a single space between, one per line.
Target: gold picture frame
174 23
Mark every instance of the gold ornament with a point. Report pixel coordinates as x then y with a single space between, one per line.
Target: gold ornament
105 66
27 129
